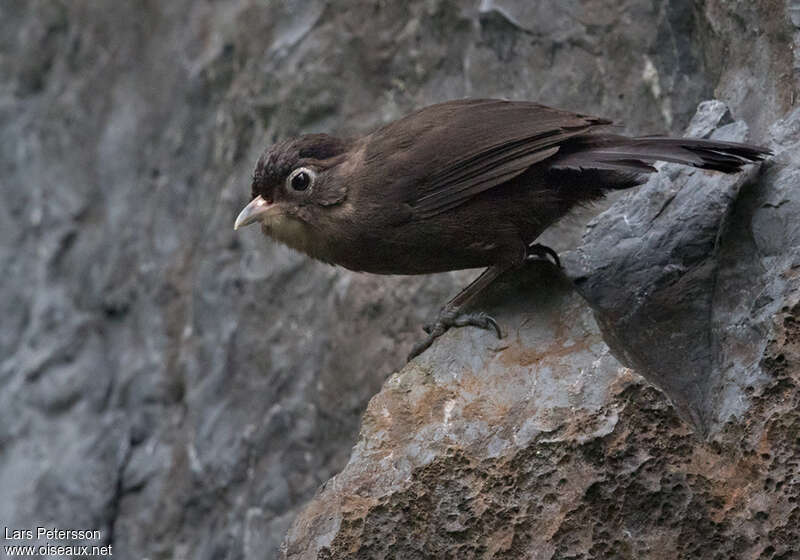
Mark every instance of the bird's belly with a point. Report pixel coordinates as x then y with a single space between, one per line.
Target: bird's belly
491 229
426 250
399 259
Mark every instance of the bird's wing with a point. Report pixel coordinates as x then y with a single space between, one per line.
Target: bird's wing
462 148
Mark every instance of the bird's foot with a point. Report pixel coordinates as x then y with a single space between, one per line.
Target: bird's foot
449 318
539 252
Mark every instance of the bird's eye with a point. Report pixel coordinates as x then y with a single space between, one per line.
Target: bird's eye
301 178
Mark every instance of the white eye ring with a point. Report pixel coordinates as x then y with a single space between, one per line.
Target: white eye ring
301 179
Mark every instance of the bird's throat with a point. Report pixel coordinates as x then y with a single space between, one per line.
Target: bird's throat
291 232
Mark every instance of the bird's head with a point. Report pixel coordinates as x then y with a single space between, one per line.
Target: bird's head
293 181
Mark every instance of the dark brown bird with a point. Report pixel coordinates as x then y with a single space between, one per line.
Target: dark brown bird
463 184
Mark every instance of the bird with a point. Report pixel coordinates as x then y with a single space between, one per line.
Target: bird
463 184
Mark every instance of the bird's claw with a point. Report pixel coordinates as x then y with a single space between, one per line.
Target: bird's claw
448 319
538 252
480 320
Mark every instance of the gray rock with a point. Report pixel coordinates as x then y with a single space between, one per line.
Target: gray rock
650 268
543 445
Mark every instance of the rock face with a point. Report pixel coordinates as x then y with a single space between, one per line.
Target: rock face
543 445
185 389
679 294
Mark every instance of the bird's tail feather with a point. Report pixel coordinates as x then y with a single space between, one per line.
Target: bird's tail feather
620 153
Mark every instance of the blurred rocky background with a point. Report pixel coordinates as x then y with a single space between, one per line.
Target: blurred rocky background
187 390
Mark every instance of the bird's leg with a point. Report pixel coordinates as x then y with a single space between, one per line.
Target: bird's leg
537 251
451 315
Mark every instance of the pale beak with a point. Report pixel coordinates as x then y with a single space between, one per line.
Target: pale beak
253 212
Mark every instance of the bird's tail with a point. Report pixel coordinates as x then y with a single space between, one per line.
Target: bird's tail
621 153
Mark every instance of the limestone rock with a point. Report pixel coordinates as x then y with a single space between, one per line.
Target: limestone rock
542 445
